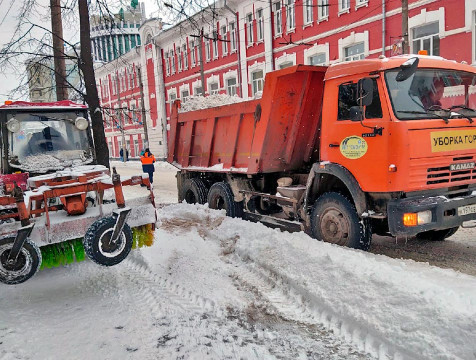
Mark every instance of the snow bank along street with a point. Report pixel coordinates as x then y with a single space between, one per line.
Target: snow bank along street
213 287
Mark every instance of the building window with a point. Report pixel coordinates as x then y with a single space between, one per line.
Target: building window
354 52
172 98
231 86
260 23
185 56
249 28
172 56
323 6
427 38
214 88
192 53
136 148
215 45
198 91
233 36
224 39
185 95
290 15
317 59
167 63
286 64
344 5
307 8
278 19
257 81
207 48
179 58
359 3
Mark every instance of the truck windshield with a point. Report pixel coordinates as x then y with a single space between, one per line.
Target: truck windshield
47 141
433 93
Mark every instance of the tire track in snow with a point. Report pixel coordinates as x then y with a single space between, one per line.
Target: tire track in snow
288 298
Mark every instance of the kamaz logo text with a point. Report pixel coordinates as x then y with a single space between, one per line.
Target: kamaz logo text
462 166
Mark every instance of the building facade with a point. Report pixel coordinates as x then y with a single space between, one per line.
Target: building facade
238 42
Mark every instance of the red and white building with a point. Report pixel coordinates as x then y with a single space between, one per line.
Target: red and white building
243 40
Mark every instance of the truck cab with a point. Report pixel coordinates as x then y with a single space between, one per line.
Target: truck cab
412 149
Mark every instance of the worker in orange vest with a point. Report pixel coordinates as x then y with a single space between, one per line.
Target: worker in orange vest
148 159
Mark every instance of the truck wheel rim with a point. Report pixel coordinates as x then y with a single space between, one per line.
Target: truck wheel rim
334 227
111 250
19 268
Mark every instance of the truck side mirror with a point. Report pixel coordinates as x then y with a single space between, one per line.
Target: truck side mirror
356 113
365 91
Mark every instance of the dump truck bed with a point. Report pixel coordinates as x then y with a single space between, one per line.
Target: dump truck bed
276 133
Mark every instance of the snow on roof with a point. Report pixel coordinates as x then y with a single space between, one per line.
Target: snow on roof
65 104
204 102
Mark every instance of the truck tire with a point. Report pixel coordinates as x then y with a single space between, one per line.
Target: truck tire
220 197
194 191
335 220
96 242
27 264
437 235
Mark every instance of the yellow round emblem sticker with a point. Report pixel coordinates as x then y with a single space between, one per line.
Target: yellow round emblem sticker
353 147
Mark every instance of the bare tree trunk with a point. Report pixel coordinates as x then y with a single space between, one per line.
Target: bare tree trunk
58 50
92 98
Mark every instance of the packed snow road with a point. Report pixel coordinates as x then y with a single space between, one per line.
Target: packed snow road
213 287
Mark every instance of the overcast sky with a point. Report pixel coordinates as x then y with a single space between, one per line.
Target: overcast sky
9 11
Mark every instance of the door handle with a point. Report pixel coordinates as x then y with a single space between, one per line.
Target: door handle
334 145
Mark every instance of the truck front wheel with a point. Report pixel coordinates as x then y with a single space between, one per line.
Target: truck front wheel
220 197
335 220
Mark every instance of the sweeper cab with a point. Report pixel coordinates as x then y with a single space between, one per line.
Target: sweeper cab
56 204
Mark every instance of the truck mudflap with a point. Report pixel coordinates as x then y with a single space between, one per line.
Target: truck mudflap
446 213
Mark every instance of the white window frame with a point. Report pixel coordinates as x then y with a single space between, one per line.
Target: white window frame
213 79
214 91
285 59
353 39
207 48
426 18
323 10
423 38
173 61
361 3
278 18
231 89
259 25
308 12
184 98
215 45
232 26
179 58
224 38
344 7
193 58
316 49
257 82
290 15
359 56
249 29
185 56
231 74
197 84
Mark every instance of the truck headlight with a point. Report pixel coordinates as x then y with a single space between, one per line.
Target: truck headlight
13 125
419 218
81 123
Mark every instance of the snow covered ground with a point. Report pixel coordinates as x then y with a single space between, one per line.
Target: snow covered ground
213 287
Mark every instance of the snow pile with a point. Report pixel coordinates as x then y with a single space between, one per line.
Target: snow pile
389 308
204 102
42 163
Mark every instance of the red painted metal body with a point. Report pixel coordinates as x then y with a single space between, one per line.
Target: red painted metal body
276 133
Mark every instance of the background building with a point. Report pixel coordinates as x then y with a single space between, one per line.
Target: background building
241 42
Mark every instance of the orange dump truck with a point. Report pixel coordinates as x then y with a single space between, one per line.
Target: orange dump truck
385 146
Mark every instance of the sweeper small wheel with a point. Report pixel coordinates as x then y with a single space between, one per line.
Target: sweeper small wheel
97 246
27 264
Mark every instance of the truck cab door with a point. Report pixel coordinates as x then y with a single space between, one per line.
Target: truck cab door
352 144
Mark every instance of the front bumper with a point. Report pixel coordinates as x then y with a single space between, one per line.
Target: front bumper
444 213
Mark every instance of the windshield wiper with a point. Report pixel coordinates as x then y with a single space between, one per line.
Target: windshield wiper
463 107
445 119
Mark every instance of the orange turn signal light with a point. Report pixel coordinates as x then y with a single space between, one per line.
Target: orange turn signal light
410 219
8 102
422 52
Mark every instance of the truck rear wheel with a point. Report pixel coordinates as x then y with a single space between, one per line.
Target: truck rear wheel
194 191
335 220
220 197
27 264
437 235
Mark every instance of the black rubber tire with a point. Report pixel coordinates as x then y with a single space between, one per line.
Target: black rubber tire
194 191
334 219
437 235
220 197
28 262
96 251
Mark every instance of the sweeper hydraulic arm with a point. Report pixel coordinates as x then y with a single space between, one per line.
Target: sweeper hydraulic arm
56 205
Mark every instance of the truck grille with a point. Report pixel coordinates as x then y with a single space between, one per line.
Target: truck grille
437 171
